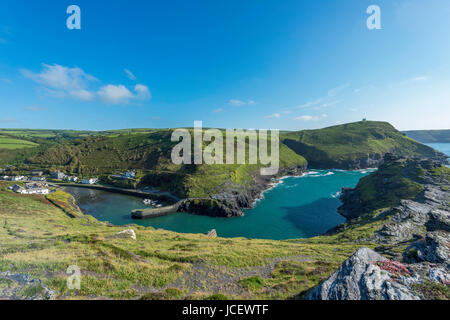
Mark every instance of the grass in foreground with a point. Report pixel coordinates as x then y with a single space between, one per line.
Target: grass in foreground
40 239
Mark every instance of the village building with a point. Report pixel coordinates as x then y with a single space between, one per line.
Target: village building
38 179
36 191
90 181
57 175
131 174
16 178
16 188
31 188
72 179
37 173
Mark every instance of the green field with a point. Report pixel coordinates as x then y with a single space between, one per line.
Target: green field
13 144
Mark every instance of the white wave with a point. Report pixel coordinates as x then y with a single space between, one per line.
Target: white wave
337 195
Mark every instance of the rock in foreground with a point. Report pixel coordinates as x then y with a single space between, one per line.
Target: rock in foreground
366 276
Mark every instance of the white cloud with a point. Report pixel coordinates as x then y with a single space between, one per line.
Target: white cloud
311 118
83 95
130 74
329 104
35 108
335 91
219 110
420 78
236 103
142 92
240 103
311 103
307 118
113 94
275 115
63 81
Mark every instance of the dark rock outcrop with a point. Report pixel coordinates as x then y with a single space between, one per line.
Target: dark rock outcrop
210 207
398 179
419 225
366 275
22 286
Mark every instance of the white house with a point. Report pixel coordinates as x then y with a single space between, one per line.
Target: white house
17 178
38 179
36 191
72 179
130 174
90 181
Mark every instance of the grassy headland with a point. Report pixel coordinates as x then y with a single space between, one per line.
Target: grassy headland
359 144
429 136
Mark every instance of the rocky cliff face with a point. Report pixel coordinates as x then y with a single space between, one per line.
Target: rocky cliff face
231 198
415 233
396 179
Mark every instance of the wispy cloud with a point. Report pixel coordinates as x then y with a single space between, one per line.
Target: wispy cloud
310 103
35 108
142 92
219 110
272 116
241 103
419 78
327 105
410 81
333 92
130 74
310 118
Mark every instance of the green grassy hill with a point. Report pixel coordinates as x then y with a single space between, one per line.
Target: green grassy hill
429 136
150 153
353 145
88 153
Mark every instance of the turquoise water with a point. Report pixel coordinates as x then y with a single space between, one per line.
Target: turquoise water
297 207
442 147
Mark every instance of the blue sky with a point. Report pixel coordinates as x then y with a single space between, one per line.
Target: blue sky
232 64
